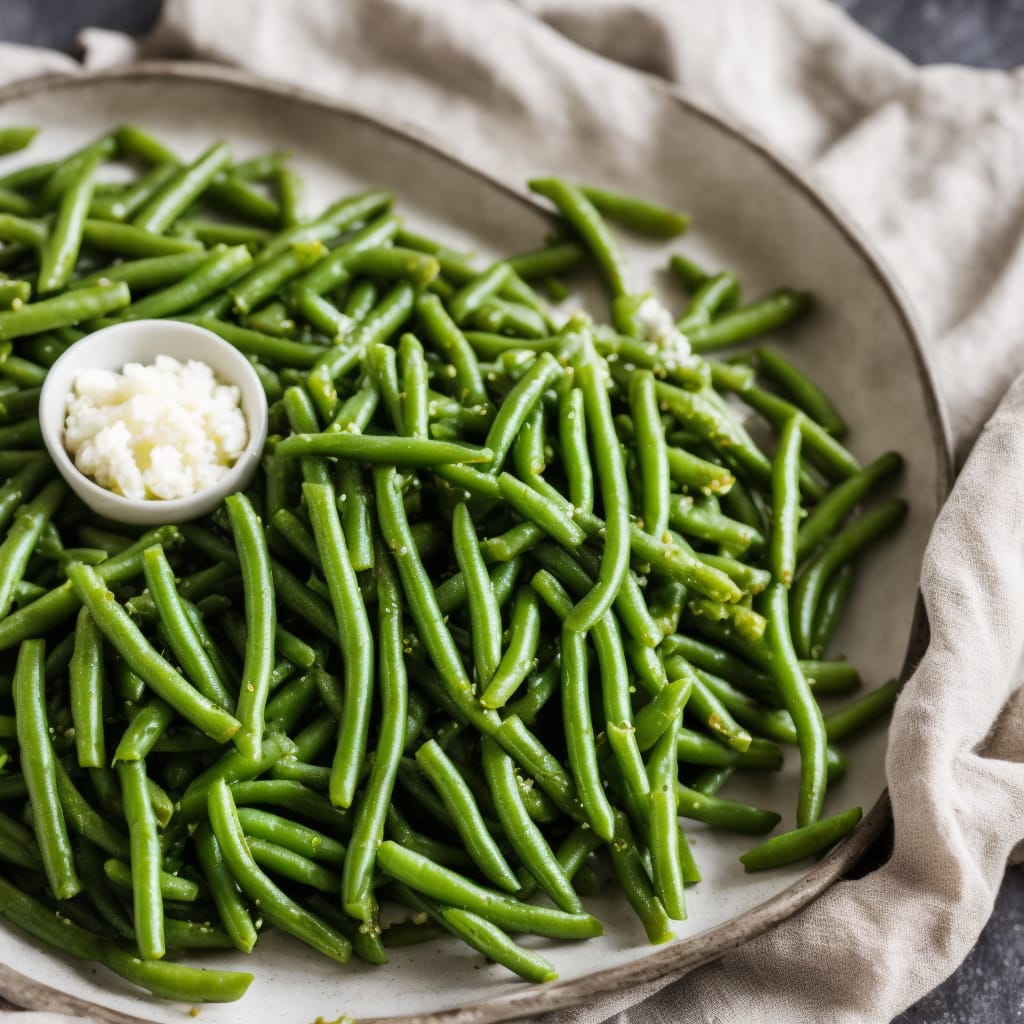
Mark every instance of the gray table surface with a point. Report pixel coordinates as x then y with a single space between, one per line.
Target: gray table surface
989 987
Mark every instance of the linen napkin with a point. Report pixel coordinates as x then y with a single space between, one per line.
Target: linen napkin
930 164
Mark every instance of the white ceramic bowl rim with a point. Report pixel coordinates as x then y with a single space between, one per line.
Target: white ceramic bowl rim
141 341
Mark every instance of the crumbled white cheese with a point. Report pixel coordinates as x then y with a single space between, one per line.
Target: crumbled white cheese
660 327
167 430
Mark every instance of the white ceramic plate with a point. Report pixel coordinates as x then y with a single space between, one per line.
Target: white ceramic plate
751 213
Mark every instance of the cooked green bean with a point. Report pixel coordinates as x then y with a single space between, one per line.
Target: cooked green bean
356 641
217 270
829 514
260 622
798 700
38 766
182 190
128 640
652 454
844 547
786 503
586 221
60 252
181 636
809 841
274 904
769 314
63 310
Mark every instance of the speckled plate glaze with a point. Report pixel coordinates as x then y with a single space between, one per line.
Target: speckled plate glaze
751 212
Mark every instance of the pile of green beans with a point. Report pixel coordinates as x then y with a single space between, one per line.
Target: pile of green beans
513 594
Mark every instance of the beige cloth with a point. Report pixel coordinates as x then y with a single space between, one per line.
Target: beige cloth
930 163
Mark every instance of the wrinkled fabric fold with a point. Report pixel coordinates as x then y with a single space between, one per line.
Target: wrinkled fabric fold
929 163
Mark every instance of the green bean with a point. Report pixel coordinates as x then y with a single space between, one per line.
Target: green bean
266 278
655 717
414 386
38 765
216 232
642 216
797 698
705 523
145 274
629 868
181 636
295 798
12 202
233 195
832 604
274 905
444 334
845 546
809 841
166 980
518 405
695 748
87 822
216 271
705 705
551 259
485 614
711 294
27 374
714 423
586 221
122 205
726 814
171 887
60 252
16 489
14 294
300 839
23 537
611 477
182 190
292 866
520 656
16 137
127 639
775 311
23 231
260 623
664 823
801 390
828 515
18 845
579 735
490 940
466 816
289 193
63 310
554 517
357 641
125 240
572 433
821 446
861 713
786 502
413 452
472 296
145 729
652 453
447 886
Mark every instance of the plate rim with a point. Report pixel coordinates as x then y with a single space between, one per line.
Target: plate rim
678 958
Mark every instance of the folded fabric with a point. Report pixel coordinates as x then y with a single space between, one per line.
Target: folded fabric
930 165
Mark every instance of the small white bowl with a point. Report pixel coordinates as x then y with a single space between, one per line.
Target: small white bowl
141 341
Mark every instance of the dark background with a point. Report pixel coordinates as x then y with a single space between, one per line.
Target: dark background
989 987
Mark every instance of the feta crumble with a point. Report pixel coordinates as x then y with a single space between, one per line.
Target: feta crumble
660 327
167 430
